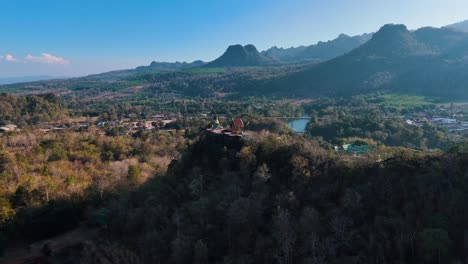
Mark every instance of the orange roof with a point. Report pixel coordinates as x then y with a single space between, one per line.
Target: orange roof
237 122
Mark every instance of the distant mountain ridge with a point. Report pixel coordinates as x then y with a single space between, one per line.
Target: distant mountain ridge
240 56
9 80
154 67
171 65
463 26
392 41
428 61
321 51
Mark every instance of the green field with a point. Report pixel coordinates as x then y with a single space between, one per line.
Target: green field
399 101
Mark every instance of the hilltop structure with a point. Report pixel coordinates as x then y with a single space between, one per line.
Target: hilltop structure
236 128
216 124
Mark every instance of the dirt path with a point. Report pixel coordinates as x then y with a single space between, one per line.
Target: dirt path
301 101
18 254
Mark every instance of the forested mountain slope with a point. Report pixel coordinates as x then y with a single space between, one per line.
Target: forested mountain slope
428 61
241 56
280 200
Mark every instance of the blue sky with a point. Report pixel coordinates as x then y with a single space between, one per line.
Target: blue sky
78 37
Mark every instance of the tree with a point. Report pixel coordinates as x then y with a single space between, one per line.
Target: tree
285 236
435 240
6 211
102 183
262 174
246 157
181 249
200 252
104 253
134 173
309 221
48 186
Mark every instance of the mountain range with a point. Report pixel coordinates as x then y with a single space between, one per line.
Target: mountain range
22 79
241 56
319 52
428 61
245 56
159 67
171 65
463 26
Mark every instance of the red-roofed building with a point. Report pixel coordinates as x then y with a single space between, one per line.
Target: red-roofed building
237 126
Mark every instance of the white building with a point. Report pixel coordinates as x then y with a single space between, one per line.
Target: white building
8 128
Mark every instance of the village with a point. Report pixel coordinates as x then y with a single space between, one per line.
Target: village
127 126
452 121
452 118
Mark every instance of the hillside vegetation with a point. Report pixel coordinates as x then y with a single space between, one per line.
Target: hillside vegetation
427 62
283 200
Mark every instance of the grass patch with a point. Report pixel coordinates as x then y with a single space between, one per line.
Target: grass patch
404 102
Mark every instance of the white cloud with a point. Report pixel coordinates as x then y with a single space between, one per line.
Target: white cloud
46 58
10 58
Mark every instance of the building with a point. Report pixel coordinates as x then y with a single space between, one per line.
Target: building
444 121
237 126
235 129
353 149
8 128
216 124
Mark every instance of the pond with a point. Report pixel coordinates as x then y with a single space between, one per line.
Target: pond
298 125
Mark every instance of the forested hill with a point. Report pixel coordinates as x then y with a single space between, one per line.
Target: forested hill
241 56
30 109
284 200
428 61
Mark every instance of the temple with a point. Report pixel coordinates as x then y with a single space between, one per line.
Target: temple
236 127
215 124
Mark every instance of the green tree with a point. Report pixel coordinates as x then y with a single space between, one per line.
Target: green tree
6 211
133 174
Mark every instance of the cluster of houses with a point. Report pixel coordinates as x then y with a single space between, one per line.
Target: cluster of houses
129 126
451 124
453 118
136 125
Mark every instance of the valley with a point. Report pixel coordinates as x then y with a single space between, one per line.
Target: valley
351 150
